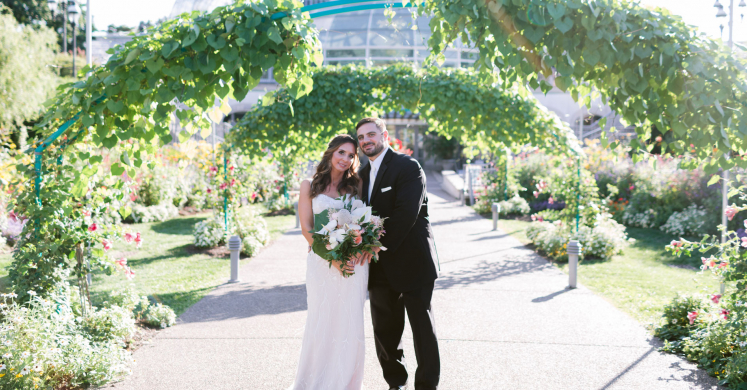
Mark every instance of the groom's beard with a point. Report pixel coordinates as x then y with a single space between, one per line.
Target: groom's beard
375 151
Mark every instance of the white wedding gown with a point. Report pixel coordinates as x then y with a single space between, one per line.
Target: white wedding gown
333 350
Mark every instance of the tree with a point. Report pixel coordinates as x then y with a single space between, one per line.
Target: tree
26 77
29 11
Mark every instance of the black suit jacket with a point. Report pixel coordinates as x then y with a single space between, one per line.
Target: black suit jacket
410 259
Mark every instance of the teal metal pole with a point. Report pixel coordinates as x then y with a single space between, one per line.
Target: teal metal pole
578 193
225 195
505 177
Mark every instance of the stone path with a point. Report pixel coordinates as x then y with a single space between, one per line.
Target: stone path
504 317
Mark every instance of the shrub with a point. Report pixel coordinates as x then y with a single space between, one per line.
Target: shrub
209 233
603 240
160 316
693 221
514 206
675 323
160 213
109 323
43 345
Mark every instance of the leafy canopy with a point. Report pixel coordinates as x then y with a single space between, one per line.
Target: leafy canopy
646 64
455 103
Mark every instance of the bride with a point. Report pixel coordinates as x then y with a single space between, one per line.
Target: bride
332 354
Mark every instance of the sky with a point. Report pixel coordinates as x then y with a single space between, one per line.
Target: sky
700 13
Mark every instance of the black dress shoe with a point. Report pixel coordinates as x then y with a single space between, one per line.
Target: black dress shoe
398 388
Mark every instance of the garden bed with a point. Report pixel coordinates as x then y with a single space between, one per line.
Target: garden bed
642 280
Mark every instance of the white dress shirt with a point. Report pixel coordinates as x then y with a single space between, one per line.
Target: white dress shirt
375 164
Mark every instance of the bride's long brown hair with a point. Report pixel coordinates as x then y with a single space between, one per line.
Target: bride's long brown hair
323 176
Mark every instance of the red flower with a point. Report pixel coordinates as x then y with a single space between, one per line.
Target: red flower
138 240
122 262
92 228
128 237
725 313
129 273
692 316
730 212
715 298
233 182
209 191
223 186
107 244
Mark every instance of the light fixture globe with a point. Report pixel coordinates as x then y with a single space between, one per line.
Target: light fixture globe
718 5
721 13
742 4
72 12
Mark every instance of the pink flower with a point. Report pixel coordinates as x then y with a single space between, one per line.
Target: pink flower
138 240
223 186
214 169
86 213
730 212
675 243
715 298
230 168
725 313
658 139
92 228
254 195
209 190
233 182
631 188
551 200
357 239
122 262
128 237
537 218
129 273
329 247
744 240
692 316
536 194
723 264
107 244
133 196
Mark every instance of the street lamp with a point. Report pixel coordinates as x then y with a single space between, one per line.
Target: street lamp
72 15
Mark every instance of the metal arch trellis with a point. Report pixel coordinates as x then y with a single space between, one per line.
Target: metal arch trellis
315 11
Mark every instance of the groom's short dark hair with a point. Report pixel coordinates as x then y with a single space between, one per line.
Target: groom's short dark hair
378 121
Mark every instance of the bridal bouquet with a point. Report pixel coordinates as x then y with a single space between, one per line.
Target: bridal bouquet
346 230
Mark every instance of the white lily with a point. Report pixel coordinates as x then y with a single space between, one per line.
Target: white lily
362 215
328 227
332 242
354 227
339 235
357 204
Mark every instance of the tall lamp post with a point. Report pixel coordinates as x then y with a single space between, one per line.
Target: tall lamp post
72 14
725 183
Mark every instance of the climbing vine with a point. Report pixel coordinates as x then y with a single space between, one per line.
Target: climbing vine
646 64
453 102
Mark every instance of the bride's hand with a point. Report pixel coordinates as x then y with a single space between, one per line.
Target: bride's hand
345 267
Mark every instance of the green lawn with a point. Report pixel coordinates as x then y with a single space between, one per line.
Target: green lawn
167 267
643 279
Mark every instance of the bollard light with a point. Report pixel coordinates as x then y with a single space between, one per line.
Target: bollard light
234 245
496 208
298 218
573 249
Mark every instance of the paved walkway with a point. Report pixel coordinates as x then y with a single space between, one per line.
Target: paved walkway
504 317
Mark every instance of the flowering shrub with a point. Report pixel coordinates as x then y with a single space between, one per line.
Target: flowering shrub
514 206
245 222
43 346
209 233
693 221
160 212
109 323
715 336
159 316
603 240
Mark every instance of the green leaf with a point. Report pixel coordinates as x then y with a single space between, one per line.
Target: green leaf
194 32
714 179
125 211
117 170
216 41
131 56
274 34
184 136
564 25
556 10
80 187
114 106
125 158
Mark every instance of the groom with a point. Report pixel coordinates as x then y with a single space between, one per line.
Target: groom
403 278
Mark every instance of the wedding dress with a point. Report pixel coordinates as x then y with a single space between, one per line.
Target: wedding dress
333 349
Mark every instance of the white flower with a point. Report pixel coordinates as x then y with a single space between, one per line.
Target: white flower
344 218
339 235
7 343
26 354
354 227
63 342
328 227
31 292
2 367
7 355
12 295
38 368
25 370
362 215
357 204
338 204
